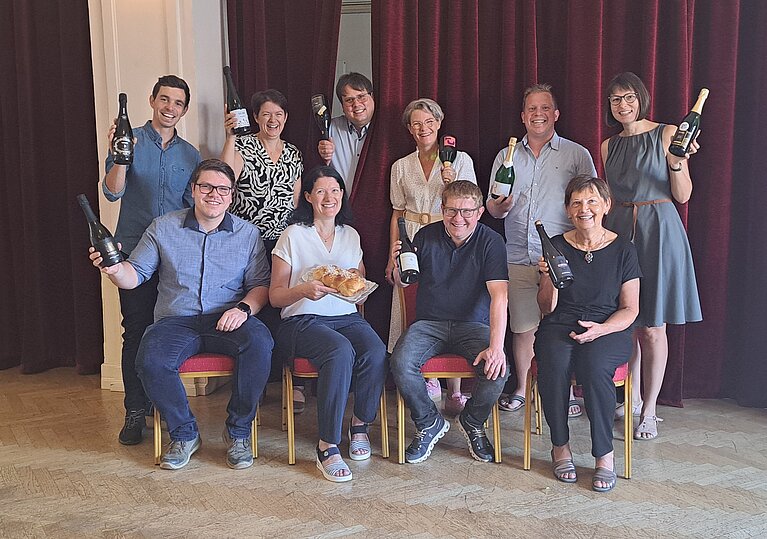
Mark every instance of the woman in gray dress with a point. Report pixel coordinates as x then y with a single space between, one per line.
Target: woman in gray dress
645 177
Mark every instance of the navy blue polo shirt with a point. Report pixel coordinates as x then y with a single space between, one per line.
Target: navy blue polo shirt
453 279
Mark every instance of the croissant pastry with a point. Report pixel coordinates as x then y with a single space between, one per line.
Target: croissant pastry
346 282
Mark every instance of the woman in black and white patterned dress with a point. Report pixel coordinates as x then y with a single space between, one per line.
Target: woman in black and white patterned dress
268 172
268 169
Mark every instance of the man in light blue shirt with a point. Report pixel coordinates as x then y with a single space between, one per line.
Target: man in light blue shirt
213 274
544 163
157 182
348 132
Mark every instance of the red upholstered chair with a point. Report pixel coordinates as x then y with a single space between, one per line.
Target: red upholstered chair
622 378
441 366
203 365
303 368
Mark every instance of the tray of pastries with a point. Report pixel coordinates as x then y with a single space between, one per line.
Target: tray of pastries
349 286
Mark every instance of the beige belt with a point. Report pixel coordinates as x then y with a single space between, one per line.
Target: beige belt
422 218
636 208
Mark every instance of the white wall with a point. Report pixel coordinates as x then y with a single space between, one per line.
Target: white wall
354 44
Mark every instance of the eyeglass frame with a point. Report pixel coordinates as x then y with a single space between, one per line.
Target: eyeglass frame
429 124
203 186
359 98
615 100
452 212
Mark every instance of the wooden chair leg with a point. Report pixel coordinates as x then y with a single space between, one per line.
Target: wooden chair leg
254 434
528 420
400 428
384 426
157 437
497 433
628 426
290 419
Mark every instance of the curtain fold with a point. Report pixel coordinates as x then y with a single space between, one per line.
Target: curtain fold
51 306
292 47
476 58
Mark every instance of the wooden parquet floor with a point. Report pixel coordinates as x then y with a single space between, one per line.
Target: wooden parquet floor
63 474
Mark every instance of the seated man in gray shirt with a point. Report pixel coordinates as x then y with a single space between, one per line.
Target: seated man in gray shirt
213 274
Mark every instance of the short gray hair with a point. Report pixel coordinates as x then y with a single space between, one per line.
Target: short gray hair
425 104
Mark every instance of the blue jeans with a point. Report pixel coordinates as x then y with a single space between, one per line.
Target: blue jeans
347 353
169 342
427 338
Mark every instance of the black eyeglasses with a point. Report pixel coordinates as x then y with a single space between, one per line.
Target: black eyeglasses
206 189
629 98
465 212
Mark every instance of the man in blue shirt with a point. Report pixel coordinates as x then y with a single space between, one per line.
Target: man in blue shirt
348 132
156 183
461 307
213 274
544 163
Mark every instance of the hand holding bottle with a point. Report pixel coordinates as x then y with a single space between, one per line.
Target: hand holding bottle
111 137
97 260
326 149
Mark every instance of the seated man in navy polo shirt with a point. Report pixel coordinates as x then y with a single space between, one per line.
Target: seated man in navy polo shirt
460 309
213 274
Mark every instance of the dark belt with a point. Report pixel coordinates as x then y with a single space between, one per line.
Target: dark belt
636 205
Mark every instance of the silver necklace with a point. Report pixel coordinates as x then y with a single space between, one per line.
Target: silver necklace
589 256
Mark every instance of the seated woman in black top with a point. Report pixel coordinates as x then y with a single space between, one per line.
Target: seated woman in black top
586 327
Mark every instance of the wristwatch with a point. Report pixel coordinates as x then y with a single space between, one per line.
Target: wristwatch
244 307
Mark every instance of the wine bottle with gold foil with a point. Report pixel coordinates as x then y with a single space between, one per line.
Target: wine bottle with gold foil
504 176
688 129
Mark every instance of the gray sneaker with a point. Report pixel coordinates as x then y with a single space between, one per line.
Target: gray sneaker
178 453
239 455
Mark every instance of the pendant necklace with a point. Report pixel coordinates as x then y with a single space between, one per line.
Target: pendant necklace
327 238
589 256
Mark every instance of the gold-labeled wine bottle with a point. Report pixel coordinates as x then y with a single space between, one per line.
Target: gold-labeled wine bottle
504 176
234 105
685 133
101 239
122 142
408 260
559 268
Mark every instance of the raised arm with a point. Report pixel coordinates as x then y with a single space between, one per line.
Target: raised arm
229 153
678 169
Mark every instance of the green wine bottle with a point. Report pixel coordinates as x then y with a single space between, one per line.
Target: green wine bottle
504 177
685 133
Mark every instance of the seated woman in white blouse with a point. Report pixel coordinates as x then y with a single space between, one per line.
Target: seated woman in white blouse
323 328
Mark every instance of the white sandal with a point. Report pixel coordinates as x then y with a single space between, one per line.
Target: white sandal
331 469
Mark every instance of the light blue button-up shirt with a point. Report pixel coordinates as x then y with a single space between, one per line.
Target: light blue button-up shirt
348 146
156 183
539 193
200 273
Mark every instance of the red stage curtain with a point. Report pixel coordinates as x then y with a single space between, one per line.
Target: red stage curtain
292 47
476 58
50 307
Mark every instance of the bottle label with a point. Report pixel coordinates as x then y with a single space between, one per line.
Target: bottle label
501 189
684 126
241 116
408 262
122 146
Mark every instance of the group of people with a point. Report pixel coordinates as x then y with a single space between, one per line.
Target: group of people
213 243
